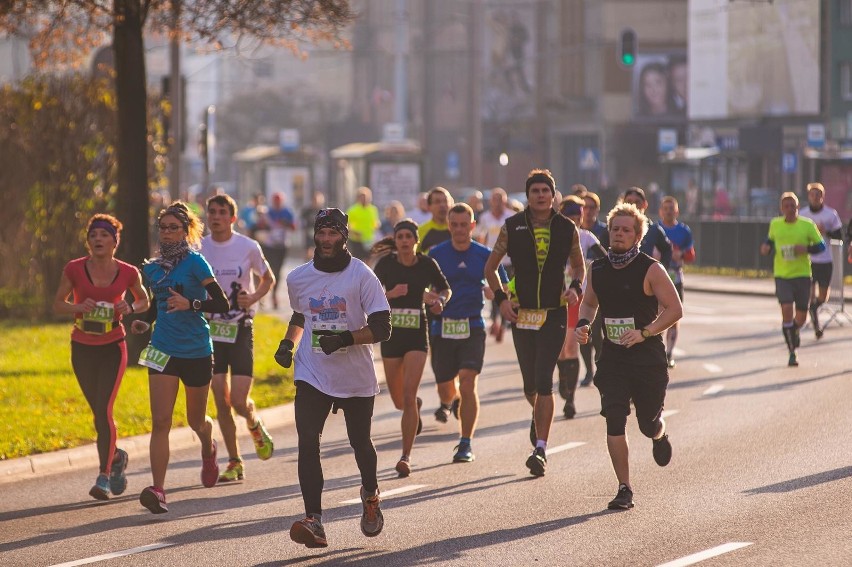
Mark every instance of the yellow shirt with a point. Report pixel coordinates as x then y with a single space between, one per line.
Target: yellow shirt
363 222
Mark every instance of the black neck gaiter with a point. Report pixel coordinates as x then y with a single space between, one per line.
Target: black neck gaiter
336 263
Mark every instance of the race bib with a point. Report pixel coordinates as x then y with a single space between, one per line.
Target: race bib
455 328
531 319
103 312
153 358
224 331
617 327
405 318
337 328
788 252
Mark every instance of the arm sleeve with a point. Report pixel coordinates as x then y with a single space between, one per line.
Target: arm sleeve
665 247
297 320
439 280
380 325
218 302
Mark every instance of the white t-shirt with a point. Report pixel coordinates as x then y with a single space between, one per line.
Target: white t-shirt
587 241
827 220
233 262
489 226
337 301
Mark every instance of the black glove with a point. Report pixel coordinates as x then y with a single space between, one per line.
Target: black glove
284 354
330 341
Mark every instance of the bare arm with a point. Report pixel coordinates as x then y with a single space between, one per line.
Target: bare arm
588 310
267 280
659 284
61 305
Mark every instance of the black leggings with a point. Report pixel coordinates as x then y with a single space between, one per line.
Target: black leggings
538 350
99 370
312 408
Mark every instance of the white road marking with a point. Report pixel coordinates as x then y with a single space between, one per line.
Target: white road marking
713 390
115 554
669 412
565 447
690 308
679 352
706 554
714 368
393 492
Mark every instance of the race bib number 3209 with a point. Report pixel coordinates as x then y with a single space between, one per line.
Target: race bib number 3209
616 327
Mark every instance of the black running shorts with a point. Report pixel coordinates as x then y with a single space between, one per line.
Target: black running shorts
193 372
451 355
619 383
821 274
794 290
403 341
239 355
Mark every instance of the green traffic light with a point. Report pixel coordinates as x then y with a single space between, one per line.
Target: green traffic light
628 59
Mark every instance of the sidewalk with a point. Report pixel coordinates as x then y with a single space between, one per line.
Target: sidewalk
87 457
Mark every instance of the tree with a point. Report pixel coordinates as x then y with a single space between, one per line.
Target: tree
61 31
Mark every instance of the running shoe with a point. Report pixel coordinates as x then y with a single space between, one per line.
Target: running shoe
100 490
117 475
455 407
309 532
537 462
818 332
419 419
587 381
235 471
442 414
154 499
569 410
793 360
403 467
797 338
563 386
209 469
262 441
533 434
623 500
372 520
670 361
662 450
501 330
464 453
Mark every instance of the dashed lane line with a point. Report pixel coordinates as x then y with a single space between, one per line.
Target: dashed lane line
392 492
115 554
565 447
712 368
669 413
713 390
706 554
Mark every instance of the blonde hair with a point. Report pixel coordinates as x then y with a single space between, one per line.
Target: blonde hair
789 195
629 210
192 225
817 186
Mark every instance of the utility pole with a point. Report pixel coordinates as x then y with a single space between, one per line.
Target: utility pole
176 101
400 114
475 145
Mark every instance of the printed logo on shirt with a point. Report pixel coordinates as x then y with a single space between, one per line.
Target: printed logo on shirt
234 273
328 307
462 265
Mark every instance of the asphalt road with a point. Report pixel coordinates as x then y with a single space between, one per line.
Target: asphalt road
761 475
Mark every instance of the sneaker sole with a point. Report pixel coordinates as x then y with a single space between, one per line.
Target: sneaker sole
536 467
225 479
301 534
98 494
464 459
378 530
403 469
612 506
152 503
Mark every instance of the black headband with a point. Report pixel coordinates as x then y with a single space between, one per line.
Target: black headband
180 215
540 178
407 224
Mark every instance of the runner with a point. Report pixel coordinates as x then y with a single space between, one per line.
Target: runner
180 349
435 230
405 273
591 208
655 237
273 233
364 223
346 312
568 362
683 252
541 243
486 232
793 238
829 224
234 258
638 302
98 283
458 334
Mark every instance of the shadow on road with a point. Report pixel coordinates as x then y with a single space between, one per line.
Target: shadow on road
802 482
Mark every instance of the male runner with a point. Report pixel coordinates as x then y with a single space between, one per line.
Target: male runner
590 221
793 238
683 251
339 310
828 222
434 231
486 232
234 258
458 333
638 302
541 243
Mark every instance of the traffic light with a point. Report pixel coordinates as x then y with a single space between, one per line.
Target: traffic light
627 48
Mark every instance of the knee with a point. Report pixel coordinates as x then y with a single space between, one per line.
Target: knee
616 421
199 425
242 407
161 423
649 427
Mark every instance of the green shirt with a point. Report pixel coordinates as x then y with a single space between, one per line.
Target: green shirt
363 222
431 233
786 235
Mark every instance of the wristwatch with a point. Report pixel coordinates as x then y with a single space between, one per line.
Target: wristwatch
646 334
196 305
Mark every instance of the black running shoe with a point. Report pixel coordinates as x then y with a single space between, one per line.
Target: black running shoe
587 381
818 333
442 414
793 360
662 450
537 462
454 407
533 434
569 410
623 500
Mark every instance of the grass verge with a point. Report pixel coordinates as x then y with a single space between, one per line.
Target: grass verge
42 408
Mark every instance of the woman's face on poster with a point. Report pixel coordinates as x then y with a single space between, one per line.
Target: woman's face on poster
654 91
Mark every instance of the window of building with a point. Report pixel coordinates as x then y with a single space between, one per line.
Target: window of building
846 81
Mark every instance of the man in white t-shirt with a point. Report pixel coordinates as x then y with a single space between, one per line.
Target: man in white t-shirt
234 258
487 230
339 311
830 226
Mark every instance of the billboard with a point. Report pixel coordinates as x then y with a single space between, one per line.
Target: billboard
660 87
755 59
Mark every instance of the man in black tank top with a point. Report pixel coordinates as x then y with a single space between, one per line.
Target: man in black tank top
638 302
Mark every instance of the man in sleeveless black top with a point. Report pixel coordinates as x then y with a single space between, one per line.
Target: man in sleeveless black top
638 302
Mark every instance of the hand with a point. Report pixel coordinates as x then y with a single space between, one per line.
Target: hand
284 354
330 341
582 334
176 302
123 308
245 299
764 249
800 249
86 306
398 291
631 337
437 307
571 296
507 312
138 327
